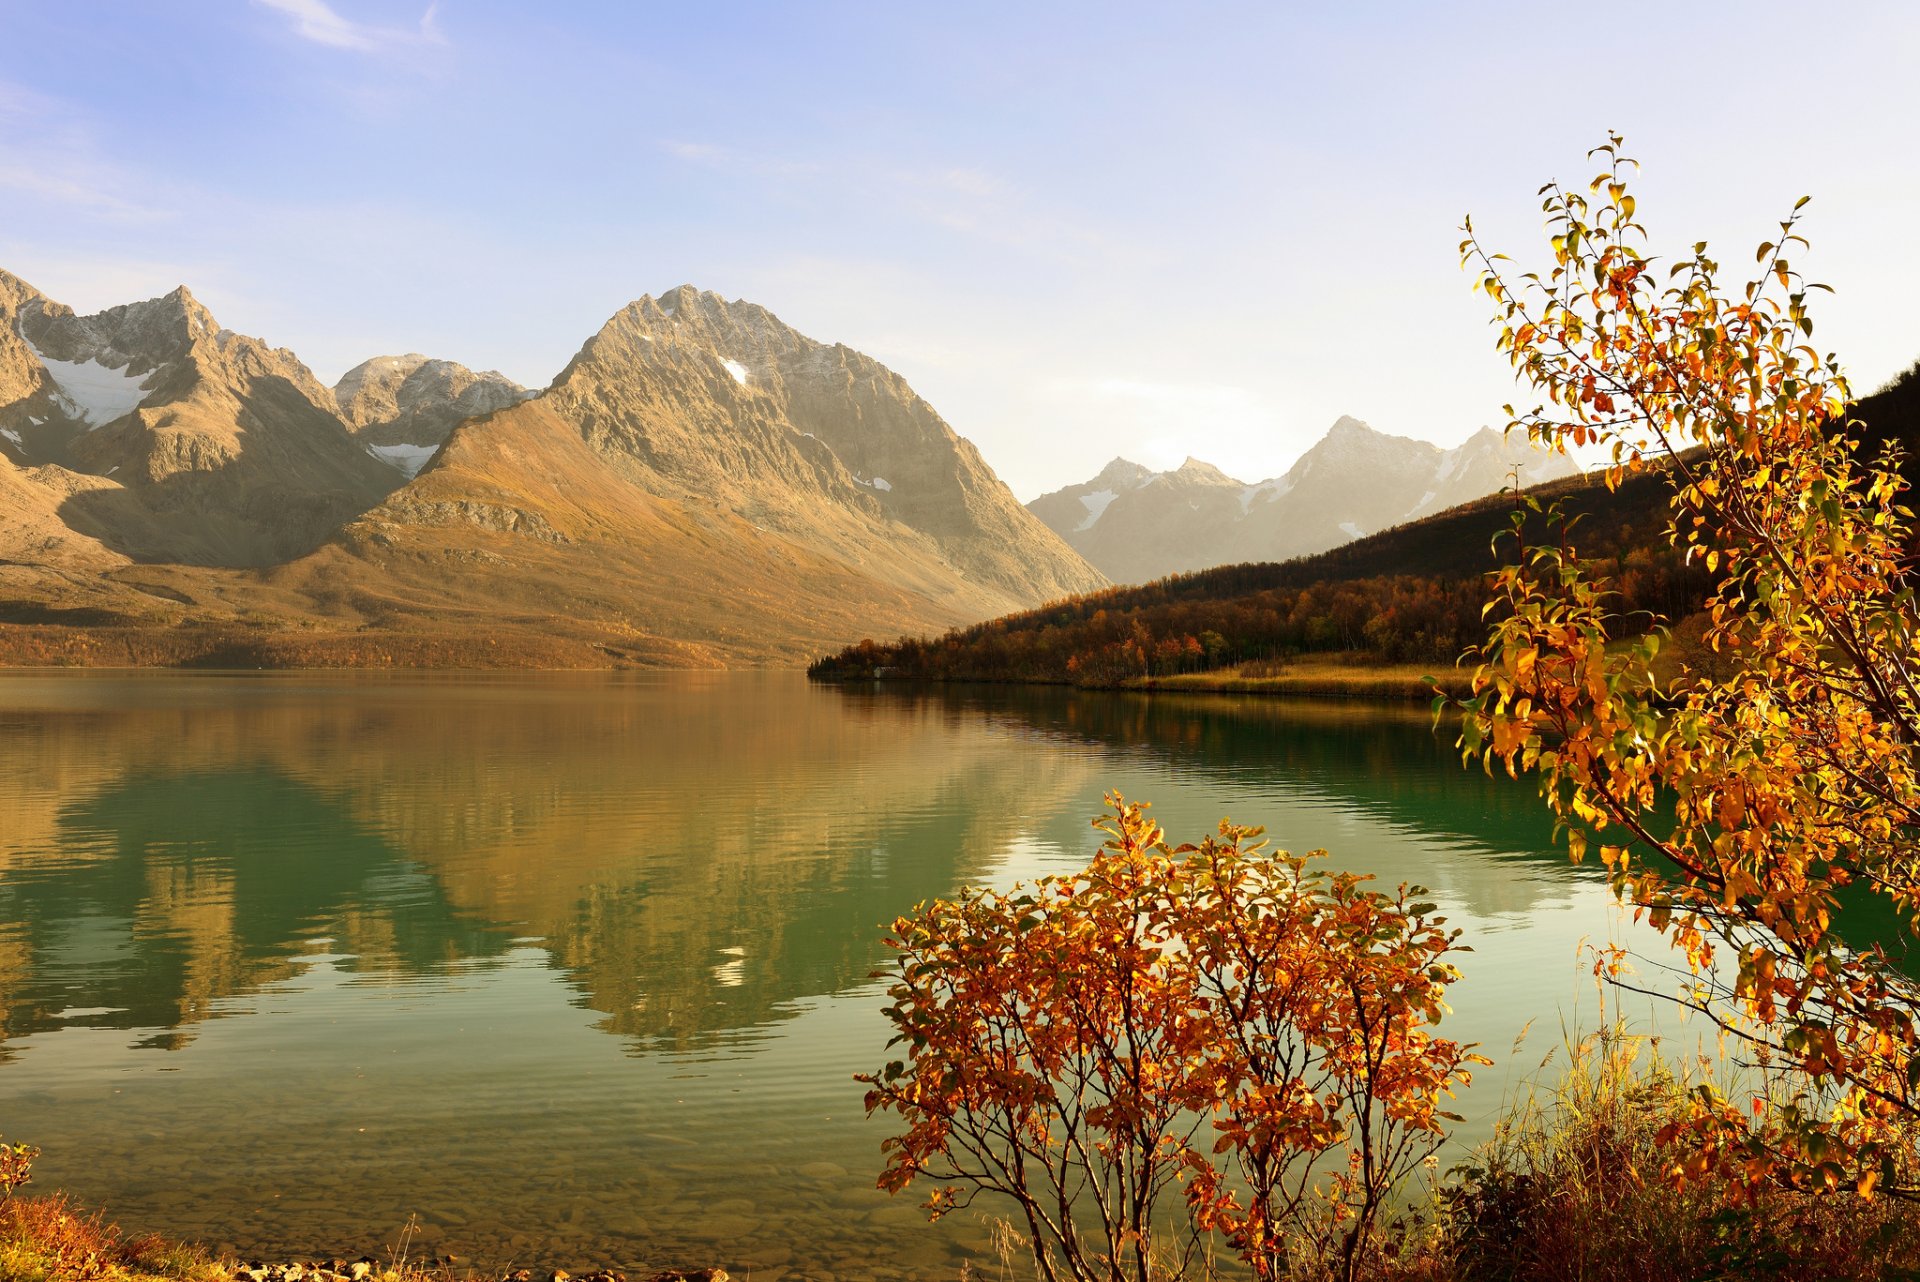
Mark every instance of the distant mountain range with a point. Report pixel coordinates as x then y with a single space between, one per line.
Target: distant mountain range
701 484
1135 525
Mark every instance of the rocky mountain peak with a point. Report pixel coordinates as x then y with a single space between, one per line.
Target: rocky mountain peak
1123 474
1354 481
688 326
702 478
15 291
154 332
1196 472
402 408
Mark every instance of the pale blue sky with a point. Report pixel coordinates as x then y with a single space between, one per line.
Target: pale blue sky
1079 230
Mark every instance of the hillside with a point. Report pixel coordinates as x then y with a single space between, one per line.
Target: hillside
1411 594
701 485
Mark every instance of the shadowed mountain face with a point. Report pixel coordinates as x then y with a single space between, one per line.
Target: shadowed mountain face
403 407
1136 525
209 447
701 485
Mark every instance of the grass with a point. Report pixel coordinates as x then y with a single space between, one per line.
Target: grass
1574 1187
1337 677
45 1239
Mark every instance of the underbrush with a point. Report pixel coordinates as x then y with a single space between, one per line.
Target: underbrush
43 1239
1577 1184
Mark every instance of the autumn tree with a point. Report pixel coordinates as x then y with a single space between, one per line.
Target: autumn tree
1738 803
1175 1041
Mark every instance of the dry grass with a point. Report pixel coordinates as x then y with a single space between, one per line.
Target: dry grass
1319 677
43 1239
1574 1186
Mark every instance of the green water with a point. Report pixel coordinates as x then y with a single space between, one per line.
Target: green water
575 969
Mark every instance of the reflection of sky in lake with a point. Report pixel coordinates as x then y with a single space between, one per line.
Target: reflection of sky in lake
579 965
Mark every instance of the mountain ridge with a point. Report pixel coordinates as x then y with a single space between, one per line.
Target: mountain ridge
700 484
1136 525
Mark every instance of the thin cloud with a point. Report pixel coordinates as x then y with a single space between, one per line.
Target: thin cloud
316 20
48 158
733 161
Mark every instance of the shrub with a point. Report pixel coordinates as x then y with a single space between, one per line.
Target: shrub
1574 1185
1172 1043
16 1167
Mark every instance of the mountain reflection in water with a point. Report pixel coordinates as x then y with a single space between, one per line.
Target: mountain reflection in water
393 920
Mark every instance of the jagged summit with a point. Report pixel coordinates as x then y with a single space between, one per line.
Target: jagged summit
1354 481
197 444
402 408
701 484
690 393
1195 471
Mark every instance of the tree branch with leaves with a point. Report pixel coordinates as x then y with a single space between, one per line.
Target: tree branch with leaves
1736 803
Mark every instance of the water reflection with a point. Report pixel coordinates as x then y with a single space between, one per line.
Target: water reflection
1319 773
693 866
581 963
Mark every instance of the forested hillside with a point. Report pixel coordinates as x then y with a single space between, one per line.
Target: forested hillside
1412 594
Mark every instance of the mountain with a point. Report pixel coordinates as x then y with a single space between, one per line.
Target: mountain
1414 593
702 484
707 474
1136 525
217 449
403 407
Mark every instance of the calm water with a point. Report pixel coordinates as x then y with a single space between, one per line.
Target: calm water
575 969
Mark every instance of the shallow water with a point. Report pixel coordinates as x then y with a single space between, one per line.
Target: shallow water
574 969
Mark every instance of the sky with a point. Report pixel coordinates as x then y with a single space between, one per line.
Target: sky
1078 230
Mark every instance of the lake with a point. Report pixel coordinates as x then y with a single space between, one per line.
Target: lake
575 969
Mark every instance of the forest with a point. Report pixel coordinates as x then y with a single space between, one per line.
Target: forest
1412 594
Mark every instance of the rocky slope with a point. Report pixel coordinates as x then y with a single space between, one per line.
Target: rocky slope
701 484
402 407
703 475
215 449
1135 525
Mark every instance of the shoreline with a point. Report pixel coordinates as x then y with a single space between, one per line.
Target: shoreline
52 650
1392 683
46 1238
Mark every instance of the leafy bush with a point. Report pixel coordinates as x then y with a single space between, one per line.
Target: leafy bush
16 1167
1233 1028
1576 1184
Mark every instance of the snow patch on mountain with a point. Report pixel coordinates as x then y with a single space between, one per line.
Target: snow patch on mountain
1096 505
736 369
92 392
1264 492
408 458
